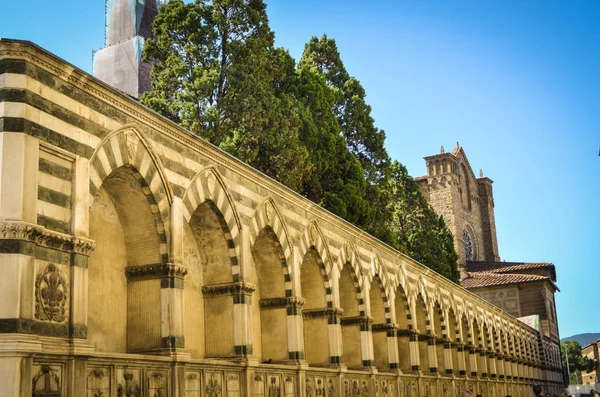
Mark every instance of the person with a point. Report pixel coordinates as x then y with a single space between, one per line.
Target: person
466 393
593 393
548 394
537 389
563 394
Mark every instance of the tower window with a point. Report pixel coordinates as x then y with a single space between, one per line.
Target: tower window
469 249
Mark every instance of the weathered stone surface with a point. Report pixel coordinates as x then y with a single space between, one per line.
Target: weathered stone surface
183 270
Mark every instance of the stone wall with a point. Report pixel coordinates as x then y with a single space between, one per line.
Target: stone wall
140 260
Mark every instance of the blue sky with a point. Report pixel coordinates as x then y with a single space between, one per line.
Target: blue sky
516 82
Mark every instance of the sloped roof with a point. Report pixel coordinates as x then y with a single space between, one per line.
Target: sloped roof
489 279
509 267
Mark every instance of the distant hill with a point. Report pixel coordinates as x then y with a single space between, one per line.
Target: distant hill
583 339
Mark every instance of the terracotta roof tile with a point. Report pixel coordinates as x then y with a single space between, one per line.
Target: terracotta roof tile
489 279
504 267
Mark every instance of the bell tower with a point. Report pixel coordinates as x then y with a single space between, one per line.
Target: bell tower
119 63
466 203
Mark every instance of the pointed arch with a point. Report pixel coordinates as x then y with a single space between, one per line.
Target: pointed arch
348 255
208 185
267 215
312 238
127 147
383 282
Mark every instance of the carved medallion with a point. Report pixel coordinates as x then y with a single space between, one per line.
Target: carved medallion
312 234
274 387
331 389
213 387
50 295
129 388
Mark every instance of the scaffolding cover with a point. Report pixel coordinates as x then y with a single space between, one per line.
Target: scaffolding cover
126 19
120 66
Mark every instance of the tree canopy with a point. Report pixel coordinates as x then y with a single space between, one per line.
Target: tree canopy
578 363
217 72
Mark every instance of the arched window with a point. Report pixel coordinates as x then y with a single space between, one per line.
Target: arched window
469 247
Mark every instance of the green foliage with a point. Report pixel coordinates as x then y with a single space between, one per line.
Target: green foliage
217 72
577 362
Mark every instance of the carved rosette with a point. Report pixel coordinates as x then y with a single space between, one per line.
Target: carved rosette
50 295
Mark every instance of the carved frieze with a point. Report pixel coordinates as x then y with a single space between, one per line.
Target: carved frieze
228 289
160 270
326 312
14 230
356 320
283 302
50 295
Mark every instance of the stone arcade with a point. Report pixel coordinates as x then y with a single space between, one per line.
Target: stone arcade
138 260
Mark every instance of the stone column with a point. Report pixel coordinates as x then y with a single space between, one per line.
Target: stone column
415 360
462 364
171 283
392 339
432 354
366 328
295 328
242 295
448 350
334 324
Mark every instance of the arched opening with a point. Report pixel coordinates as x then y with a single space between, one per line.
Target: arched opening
351 318
424 333
439 336
403 334
315 312
380 329
270 308
126 233
209 265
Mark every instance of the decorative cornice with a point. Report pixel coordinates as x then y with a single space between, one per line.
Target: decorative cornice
148 272
327 312
16 230
356 320
228 289
276 303
385 327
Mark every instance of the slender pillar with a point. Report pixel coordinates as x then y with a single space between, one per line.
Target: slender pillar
392 339
366 329
171 285
334 324
415 360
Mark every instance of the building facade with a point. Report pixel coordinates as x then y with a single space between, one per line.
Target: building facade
525 290
591 351
139 260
